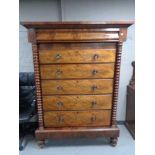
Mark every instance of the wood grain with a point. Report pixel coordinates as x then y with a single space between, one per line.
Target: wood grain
85 44
77 56
76 132
77 118
116 84
49 35
77 102
76 53
77 71
77 24
95 86
38 85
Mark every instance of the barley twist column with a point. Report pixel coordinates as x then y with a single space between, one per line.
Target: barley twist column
116 83
38 85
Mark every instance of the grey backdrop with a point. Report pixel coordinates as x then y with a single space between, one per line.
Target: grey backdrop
77 10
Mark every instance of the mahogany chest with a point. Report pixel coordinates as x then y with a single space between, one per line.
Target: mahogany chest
77 66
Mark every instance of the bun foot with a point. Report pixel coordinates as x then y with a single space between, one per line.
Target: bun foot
113 141
41 143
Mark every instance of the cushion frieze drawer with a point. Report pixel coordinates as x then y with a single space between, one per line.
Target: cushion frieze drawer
77 102
77 118
92 86
49 35
77 71
76 53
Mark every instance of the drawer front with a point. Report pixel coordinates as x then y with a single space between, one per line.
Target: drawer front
95 86
72 56
77 102
49 35
76 53
77 71
77 118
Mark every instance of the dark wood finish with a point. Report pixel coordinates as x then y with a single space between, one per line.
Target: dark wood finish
77 66
50 35
77 102
132 81
77 118
41 143
79 25
130 107
113 141
32 36
116 83
74 132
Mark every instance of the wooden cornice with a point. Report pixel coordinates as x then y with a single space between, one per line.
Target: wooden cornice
80 24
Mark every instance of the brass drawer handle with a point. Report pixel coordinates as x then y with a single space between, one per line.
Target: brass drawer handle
96 56
94 87
94 72
59 72
58 56
59 88
93 118
93 103
60 103
60 119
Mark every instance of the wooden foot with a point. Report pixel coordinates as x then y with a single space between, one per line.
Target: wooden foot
41 143
113 141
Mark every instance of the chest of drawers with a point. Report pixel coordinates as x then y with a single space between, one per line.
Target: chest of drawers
77 67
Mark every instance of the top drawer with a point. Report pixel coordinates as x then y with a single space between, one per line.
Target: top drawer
76 53
75 35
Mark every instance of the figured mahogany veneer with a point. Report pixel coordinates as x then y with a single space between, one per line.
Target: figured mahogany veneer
74 71
50 35
95 86
77 66
77 118
77 102
76 53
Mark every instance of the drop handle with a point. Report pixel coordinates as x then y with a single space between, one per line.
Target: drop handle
93 103
58 56
94 87
96 56
93 118
60 119
94 72
59 72
59 88
60 103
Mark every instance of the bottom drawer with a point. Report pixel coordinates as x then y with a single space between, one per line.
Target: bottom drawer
77 118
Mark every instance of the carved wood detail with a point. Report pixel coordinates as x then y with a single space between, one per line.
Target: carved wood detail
32 35
122 34
38 85
116 83
113 141
53 43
